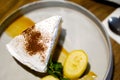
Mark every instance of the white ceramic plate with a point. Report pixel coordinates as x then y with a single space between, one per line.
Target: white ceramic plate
82 30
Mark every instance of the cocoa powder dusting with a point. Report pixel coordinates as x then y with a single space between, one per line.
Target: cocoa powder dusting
33 45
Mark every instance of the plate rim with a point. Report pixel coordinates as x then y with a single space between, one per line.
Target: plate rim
110 66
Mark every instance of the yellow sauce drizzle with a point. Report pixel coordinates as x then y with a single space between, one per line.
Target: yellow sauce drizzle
18 26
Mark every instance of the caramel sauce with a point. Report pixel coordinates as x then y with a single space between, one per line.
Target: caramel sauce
18 26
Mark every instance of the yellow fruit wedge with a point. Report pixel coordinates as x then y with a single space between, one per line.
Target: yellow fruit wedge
75 64
49 77
63 55
19 26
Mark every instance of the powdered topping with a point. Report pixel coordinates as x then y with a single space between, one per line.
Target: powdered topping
33 43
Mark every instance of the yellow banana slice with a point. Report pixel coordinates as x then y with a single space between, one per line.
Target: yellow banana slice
49 77
75 64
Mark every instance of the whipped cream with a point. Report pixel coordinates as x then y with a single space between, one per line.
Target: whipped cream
34 46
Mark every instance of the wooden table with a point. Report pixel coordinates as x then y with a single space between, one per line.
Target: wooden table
98 9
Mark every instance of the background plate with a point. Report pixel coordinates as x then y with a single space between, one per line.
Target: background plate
82 30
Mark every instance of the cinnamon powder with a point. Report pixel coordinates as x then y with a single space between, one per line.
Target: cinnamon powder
32 42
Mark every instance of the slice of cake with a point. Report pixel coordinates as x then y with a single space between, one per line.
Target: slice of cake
34 46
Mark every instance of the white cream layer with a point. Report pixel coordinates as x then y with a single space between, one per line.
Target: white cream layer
50 27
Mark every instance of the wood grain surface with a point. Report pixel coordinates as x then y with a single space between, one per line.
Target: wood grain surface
99 8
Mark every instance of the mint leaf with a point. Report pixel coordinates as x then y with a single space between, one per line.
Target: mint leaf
56 69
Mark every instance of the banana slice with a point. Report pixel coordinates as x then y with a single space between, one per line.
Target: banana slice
49 77
75 64
34 46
